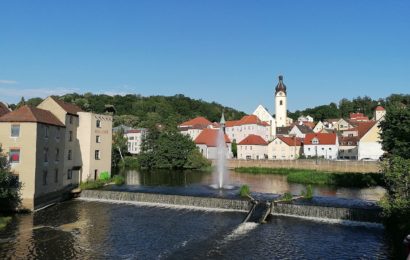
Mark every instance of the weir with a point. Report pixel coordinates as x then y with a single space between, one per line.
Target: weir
257 211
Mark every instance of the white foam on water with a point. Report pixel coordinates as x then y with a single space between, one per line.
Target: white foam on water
162 205
336 221
241 230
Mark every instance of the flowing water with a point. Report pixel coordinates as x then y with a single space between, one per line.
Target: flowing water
221 168
264 183
100 230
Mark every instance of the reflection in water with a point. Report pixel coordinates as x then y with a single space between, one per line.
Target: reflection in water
265 183
97 230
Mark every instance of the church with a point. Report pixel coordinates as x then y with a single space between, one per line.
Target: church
281 119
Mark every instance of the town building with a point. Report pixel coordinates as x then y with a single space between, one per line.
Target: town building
348 148
358 117
339 124
318 127
249 124
34 141
207 143
134 139
369 145
262 113
305 119
252 147
194 126
321 145
300 131
281 104
4 109
379 113
285 148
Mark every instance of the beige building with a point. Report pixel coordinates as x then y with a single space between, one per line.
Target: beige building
55 146
284 148
34 141
253 147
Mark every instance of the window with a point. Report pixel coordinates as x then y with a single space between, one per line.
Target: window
46 132
97 155
95 174
15 130
14 155
45 177
69 174
45 154
56 175
69 155
57 154
70 136
71 119
98 123
97 139
330 149
315 141
308 149
281 102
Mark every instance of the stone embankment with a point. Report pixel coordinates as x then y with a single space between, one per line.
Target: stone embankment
321 165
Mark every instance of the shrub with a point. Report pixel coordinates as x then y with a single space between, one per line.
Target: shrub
104 176
91 185
4 221
118 180
244 191
129 162
287 196
196 160
308 193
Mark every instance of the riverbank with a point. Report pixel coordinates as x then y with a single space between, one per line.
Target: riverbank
4 221
307 176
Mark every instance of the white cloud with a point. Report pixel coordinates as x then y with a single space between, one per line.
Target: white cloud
5 81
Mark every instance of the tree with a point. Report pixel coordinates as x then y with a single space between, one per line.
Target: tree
234 148
9 186
119 148
21 103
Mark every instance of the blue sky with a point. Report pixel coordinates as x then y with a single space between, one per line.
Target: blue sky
230 52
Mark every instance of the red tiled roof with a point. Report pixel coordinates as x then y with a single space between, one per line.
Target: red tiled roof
209 136
364 127
324 138
133 131
246 120
253 140
31 114
197 121
311 125
379 108
348 140
291 141
3 109
69 108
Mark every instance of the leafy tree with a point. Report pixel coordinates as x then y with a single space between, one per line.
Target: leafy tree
9 186
119 148
234 148
21 103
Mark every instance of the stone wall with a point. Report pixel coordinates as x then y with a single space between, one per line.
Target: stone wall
322 165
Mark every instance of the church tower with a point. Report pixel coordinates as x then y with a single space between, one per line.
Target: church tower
280 104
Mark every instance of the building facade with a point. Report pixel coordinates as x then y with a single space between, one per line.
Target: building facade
321 145
253 147
284 148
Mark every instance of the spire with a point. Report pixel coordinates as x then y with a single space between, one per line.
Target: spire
222 121
280 86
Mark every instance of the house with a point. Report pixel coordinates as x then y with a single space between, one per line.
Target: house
348 148
339 124
33 139
300 131
194 126
4 109
207 143
263 114
253 147
369 145
305 119
324 145
318 127
358 117
285 148
121 128
134 139
249 124
379 113
283 131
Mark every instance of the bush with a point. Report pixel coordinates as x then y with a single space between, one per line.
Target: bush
92 185
287 196
244 191
308 193
118 180
195 160
129 162
10 186
4 221
104 176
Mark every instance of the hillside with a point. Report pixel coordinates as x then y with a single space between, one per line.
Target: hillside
139 111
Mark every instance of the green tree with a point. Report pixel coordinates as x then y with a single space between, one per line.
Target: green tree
21 103
119 148
234 148
9 186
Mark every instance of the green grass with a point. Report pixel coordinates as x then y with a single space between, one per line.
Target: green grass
118 180
4 221
287 196
92 185
305 176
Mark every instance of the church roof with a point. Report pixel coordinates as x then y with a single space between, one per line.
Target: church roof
280 86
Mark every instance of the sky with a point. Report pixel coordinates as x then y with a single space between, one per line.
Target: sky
230 52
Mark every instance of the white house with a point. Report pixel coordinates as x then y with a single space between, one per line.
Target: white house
318 127
284 148
253 147
194 126
247 125
305 118
134 140
337 123
379 113
207 144
263 114
321 145
300 131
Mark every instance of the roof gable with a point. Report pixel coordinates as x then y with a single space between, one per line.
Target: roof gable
67 107
196 122
253 140
31 114
209 137
323 138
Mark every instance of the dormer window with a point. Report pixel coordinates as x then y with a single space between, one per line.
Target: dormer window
315 141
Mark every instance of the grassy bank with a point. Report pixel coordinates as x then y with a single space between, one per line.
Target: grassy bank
4 221
306 176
